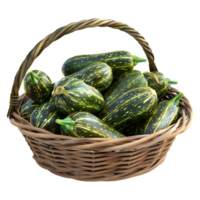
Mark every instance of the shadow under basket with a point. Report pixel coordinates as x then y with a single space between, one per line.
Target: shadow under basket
95 159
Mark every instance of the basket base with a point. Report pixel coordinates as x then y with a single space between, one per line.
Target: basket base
126 177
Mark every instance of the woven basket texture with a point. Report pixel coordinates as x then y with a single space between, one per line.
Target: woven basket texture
95 159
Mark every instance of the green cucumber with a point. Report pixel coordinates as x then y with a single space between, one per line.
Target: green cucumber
119 61
165 83
86 125
127 81
38 86
113 82
165 115
27 109
130 107
98 75
73 95
44 117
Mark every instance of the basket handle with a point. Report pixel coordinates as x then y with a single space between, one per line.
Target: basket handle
37 50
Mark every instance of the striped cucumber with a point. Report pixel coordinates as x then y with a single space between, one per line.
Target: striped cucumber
165 83
73 95
130 107
44 117
165 115
113 82
98 75
27 109
38 86
127 81
119 61
86 125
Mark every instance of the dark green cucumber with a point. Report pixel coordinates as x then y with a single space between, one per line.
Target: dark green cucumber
86 125
73 95
127 81
44 117
38 86
27 109
113 82
119 61
98 75
165 115
165 83
130 107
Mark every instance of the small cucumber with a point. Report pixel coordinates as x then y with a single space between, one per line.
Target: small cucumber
38 86
165 115
86 125
27 109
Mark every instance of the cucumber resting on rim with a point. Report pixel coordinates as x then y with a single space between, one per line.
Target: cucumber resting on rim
38 86
166 114
86 125
120 61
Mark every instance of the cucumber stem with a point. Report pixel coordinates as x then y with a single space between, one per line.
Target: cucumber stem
177 98
170 82
33 79
137 60
68 123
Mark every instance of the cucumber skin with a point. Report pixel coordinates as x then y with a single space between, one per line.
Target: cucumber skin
27 109
78 97
119 61
41 92
98 75
130 107
165 115
127 81
44 117
113 82
87 125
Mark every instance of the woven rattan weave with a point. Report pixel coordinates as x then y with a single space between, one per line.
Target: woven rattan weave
95 159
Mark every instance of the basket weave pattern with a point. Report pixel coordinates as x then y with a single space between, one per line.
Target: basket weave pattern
95 159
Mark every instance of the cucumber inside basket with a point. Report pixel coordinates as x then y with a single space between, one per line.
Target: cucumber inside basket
85 103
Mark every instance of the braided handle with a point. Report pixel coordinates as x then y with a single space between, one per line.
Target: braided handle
37 50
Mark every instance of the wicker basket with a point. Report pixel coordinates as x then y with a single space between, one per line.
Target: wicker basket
95 159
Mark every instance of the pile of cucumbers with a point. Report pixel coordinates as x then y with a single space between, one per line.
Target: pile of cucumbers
100 96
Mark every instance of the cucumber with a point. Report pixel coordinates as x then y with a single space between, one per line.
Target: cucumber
27 109
38 86
113 82
165 83
44 117
130 107
127 81
73 95
98 75
165 115
86 125
119 61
